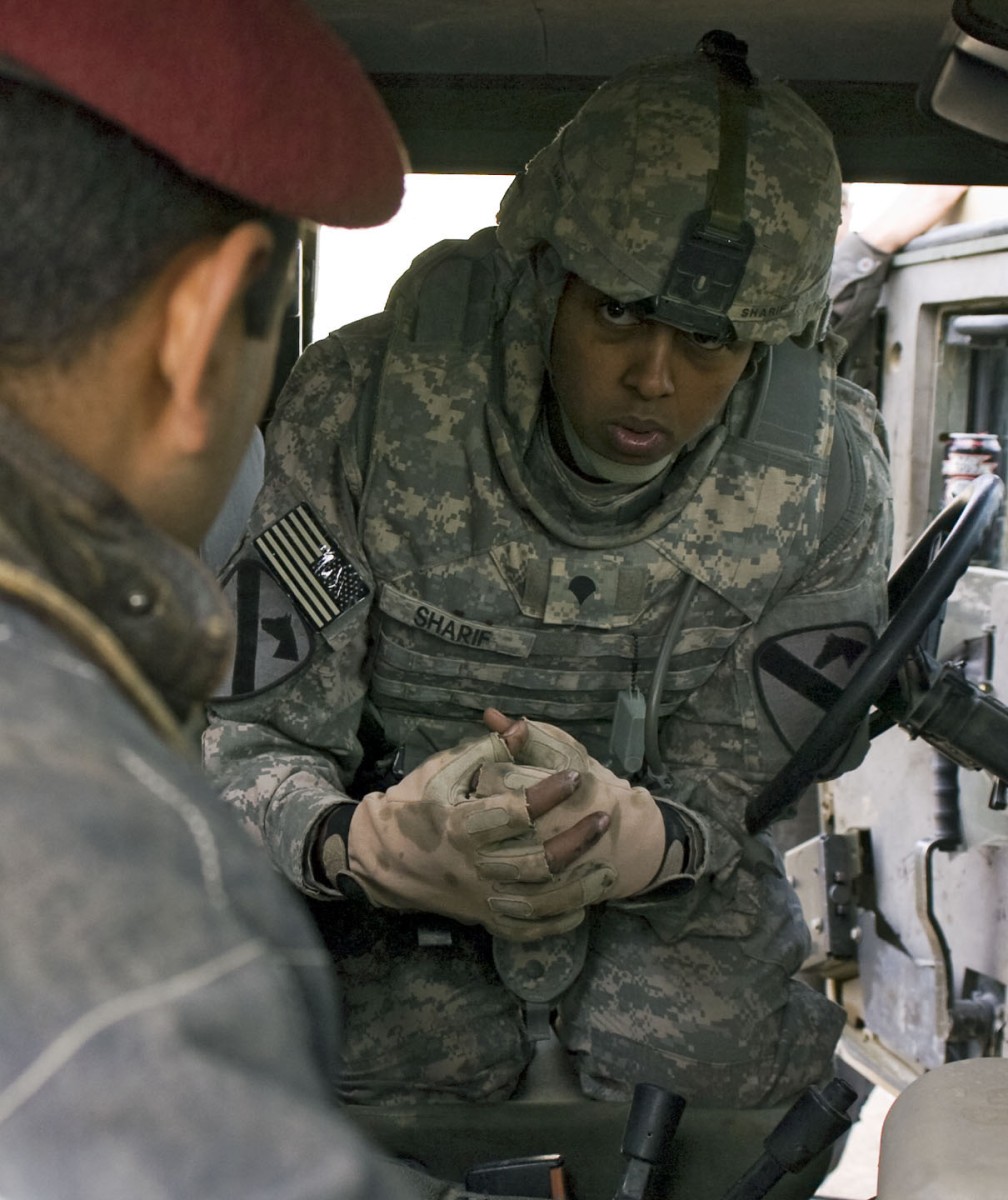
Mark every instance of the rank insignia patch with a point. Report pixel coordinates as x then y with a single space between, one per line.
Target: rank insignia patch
316 573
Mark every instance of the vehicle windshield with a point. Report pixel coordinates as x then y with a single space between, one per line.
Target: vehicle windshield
357 267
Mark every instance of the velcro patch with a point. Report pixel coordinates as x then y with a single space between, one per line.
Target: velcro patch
801 675
311 567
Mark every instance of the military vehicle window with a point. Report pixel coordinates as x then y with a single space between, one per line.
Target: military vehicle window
357 267
975 365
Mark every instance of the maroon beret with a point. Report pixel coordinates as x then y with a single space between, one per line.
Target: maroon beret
257 97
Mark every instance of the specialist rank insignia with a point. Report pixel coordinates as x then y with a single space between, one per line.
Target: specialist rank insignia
312 569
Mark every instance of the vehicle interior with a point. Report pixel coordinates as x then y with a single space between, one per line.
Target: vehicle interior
481 87
911 96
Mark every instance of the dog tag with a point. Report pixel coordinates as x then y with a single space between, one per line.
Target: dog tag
626 743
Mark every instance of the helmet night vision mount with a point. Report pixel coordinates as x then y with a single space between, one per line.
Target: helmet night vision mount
716 241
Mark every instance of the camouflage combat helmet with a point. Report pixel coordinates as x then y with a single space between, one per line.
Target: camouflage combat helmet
708 200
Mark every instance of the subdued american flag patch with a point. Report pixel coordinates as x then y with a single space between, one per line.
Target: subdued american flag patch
315 572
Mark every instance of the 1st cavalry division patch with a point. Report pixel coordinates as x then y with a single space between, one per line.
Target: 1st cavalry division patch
801 674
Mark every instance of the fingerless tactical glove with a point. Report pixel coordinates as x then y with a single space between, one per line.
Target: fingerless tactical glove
651 842
454 837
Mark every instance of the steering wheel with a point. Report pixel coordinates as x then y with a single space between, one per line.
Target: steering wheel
918 590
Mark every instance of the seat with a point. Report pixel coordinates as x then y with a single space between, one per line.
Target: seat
712 1148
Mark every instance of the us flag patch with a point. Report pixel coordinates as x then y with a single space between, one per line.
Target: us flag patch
315 572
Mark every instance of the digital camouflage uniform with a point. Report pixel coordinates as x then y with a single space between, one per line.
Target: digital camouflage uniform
459 563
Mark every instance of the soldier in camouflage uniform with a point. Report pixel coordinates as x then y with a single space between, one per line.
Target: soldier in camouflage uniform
596 452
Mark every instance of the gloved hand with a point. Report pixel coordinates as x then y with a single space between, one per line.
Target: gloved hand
460 836
651 841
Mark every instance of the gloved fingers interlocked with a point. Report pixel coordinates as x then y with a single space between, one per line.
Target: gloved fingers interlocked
539 744
578 888
507 796
521 844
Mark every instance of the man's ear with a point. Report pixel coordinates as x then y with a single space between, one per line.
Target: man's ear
203 323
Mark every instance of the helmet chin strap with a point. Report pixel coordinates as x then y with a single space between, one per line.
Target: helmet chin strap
597 467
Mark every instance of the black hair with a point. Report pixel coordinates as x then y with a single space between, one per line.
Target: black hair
88 216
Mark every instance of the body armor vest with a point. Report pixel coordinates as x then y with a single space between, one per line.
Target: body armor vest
508 603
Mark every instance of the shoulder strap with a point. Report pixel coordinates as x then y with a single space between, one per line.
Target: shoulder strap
446 297
781 423
778 421
847 482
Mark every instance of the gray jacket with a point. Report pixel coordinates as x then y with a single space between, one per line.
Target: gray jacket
169 1027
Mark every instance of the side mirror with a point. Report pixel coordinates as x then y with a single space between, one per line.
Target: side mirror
967 85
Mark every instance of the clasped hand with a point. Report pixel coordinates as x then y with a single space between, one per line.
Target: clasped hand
513 831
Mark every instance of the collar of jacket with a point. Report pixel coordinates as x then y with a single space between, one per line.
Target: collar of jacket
137 602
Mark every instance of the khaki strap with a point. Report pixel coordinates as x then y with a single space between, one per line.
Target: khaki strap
101 646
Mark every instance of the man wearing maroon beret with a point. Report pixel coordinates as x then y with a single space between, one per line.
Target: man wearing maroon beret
167 1022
